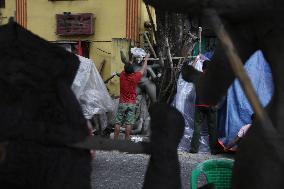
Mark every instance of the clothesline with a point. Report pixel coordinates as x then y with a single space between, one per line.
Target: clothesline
174 58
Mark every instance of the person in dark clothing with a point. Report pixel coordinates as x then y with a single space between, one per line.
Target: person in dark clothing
204 112
167 128
40 115
252 25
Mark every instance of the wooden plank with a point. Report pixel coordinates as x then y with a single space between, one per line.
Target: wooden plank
102 66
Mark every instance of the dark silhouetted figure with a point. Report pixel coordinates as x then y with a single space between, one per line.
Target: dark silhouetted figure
252 25
167 126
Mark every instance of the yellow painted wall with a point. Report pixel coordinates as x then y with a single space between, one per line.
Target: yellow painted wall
145 17
109 27
116 64
8 11
109 23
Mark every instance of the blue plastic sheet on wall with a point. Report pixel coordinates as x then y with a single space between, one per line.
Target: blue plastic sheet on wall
237 111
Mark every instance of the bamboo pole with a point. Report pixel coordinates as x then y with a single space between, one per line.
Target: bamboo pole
169 53
152 23
102 66
150 45
151 18
173 58
172 78
161 60
200 39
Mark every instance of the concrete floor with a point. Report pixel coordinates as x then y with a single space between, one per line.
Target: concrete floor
114 170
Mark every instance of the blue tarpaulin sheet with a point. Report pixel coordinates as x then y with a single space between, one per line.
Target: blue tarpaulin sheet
236 110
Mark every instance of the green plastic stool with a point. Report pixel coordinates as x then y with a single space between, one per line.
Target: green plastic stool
216 171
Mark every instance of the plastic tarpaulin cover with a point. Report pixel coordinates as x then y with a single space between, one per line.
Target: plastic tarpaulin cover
184 101
198 62
90 90
237 110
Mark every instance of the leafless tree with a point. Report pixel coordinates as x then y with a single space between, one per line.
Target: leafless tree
174 39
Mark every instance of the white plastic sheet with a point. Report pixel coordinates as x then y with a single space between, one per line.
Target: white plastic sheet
90 90
184 101
138 53
198 62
